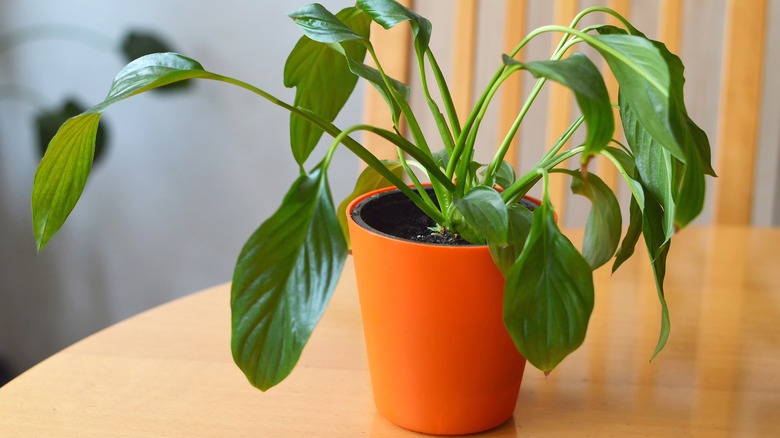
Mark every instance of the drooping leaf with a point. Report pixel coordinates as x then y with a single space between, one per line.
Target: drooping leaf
644 78
485 211
321 25
62 175
653 165
505 175
548 297
657 245
627 169
688 187
136 44
283 281
633 232
388 13
323 81
48 121
505 254
580 75
150 72
604 226
368 180
63 171
388 90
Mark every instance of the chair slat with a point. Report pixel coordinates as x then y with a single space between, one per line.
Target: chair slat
394 50
463 56
559 111
738 119
604 168
514 31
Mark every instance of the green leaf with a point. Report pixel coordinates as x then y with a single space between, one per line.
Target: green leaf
321 25
283 281
63 171
374 77
62 175
653 164
604 226
505 175
658 246
48 122
323 81
388 13
136 44
628 245
645 81
484 210
368 180
548 297
609 29
441 158
150 72
505 254
581 76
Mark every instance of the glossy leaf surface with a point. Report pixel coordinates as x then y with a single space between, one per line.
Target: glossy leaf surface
136 44
388 13
321 25
548 297
485 211
283 280
644 79
581 76
63 171
323 81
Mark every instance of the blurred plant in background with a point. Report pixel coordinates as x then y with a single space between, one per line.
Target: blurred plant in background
48 118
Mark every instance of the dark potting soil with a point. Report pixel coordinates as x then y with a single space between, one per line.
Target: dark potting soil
393 214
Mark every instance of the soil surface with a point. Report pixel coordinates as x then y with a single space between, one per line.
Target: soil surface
392 213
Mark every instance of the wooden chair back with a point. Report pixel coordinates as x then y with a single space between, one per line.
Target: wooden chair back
724 80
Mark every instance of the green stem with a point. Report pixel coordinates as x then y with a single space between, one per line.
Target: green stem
446 97
525 182
507 142
351 144
444 130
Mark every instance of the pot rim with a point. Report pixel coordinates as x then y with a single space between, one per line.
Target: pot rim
367 197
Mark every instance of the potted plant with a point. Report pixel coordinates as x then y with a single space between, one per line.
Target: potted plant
538 285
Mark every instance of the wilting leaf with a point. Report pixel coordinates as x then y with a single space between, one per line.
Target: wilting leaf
136 44
283 281
548 297
323 81
579 74
48 121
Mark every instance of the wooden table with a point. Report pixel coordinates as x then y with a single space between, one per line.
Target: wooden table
168 371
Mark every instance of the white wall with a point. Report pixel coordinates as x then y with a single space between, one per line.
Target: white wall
187 179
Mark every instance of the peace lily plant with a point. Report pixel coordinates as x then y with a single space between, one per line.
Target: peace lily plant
287 270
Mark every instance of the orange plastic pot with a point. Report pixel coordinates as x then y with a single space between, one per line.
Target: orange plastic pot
440 357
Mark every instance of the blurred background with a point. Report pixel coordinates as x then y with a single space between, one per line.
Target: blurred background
187 176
